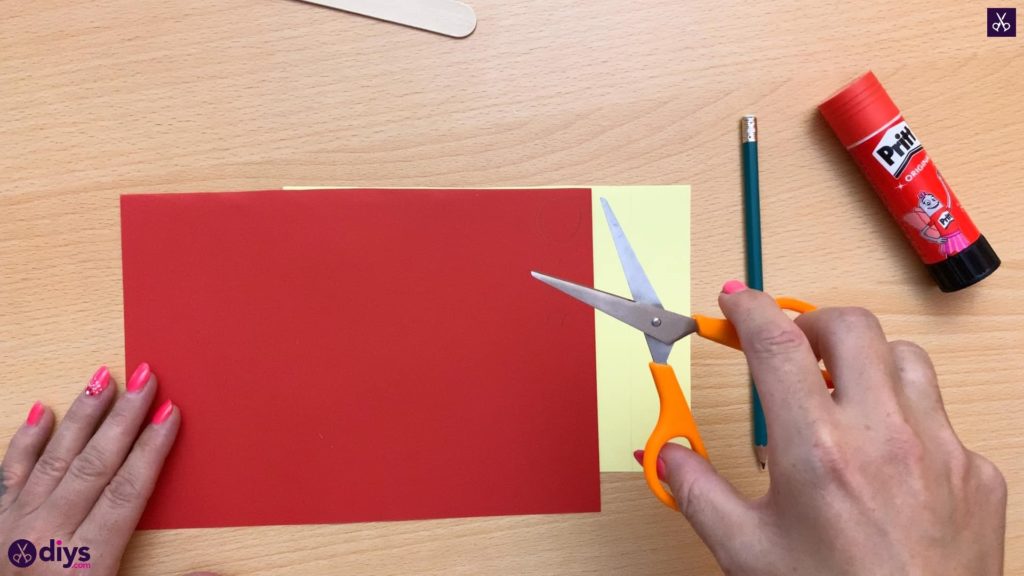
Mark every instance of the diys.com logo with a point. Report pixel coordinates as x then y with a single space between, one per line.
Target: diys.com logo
23 553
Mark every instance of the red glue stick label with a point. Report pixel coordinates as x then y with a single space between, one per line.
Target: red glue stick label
905 177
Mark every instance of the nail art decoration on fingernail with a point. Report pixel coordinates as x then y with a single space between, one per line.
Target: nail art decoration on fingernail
35 414
639 456
733 286
98 383
163 412
139 378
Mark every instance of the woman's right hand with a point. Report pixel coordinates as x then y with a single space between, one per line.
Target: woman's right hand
871 480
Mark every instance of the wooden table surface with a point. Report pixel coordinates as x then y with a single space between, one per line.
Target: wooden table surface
106 97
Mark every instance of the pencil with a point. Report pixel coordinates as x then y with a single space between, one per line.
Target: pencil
752 231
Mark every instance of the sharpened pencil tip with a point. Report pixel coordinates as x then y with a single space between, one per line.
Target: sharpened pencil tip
761 453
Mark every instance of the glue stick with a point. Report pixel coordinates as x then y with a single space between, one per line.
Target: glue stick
904 176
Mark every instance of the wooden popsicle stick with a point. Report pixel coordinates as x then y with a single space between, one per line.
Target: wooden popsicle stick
448 17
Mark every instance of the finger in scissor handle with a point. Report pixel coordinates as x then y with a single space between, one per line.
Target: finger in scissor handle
794 305
650 464
783 365
723 332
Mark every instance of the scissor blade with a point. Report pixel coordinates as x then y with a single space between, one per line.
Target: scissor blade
448 17
639 286
661 326
659 350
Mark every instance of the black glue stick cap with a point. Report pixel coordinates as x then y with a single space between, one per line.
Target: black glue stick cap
965 268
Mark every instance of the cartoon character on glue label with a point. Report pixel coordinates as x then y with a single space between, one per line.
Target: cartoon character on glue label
934 223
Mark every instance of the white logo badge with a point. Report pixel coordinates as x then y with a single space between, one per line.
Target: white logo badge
897 146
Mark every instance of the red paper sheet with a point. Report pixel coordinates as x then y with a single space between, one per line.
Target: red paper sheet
358 355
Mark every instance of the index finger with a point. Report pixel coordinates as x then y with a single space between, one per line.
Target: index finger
782 363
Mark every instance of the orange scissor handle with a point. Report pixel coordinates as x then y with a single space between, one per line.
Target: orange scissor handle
674 421
721 330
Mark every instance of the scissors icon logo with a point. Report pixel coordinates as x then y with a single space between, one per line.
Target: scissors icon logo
1002 21
22 553
1001 25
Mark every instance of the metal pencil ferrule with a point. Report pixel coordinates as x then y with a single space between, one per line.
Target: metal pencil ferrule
748 129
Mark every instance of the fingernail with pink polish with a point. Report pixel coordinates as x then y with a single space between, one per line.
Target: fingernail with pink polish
639 456
35 414
733 286
163 412
139 378
98 383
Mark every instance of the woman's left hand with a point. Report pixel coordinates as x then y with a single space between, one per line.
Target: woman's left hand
74 499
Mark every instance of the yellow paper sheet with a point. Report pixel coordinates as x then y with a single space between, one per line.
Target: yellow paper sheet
656 220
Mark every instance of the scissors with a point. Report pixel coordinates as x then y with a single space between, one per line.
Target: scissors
22 557
662 328
1001 25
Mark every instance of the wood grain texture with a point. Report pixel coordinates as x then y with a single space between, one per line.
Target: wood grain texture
105 97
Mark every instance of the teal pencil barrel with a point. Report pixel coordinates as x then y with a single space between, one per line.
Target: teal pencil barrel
752 216
760 426
752 233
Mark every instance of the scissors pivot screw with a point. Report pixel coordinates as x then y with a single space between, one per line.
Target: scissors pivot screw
656 322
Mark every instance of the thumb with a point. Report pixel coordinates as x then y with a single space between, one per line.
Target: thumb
718 513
